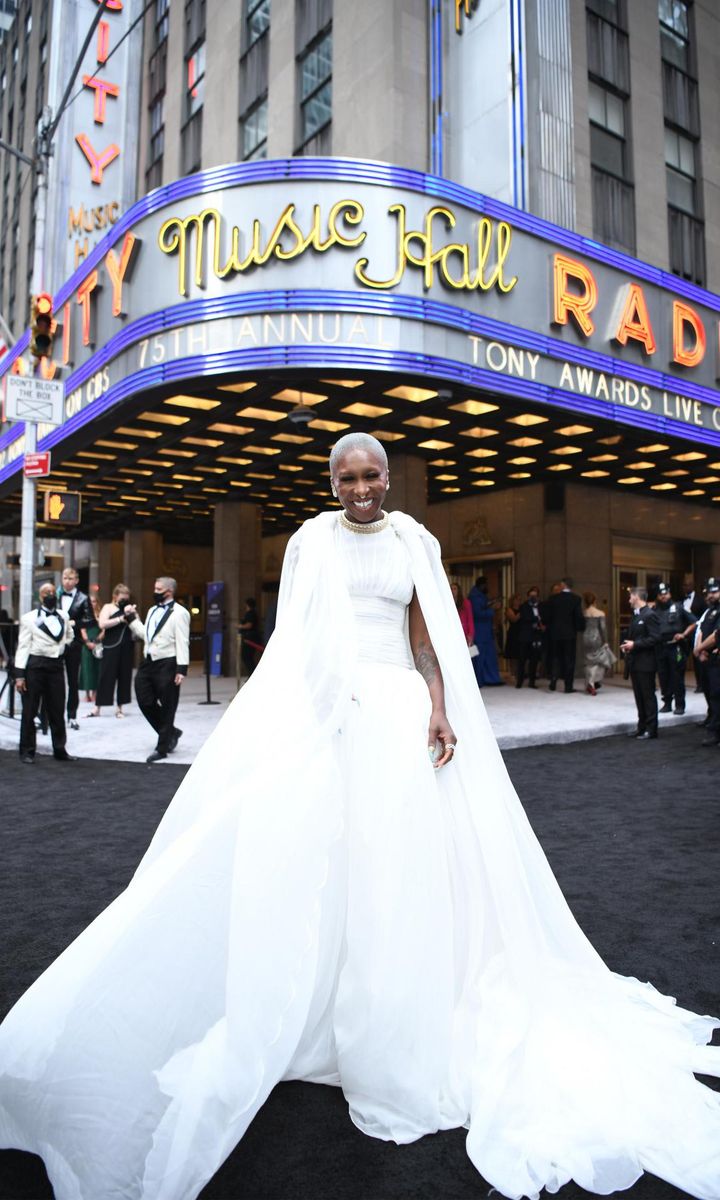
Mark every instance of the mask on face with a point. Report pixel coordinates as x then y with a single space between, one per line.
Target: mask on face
49 602
122 602
158 597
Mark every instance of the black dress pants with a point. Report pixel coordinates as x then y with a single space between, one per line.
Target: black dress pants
563 660
73 656
116 668
44 681
671 674
157 695
643 683
528 659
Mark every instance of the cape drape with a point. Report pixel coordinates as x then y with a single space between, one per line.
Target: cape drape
136 1062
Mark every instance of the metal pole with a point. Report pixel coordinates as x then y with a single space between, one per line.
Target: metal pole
29 491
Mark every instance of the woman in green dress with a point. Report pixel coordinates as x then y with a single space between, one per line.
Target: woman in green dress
89 663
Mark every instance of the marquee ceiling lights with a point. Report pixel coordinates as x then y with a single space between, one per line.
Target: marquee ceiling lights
224 427
416 395
293 396
195 402
527 419
641 466
567 450
481 470
483 482
680 472
318 458
561 467
447 478
328 426
594 474
520 475
163 418
385 435
434 444
176 452
631 479
655 448
523 442
246 386
691 456
199 441
617 438
427 422
603 458
117 445
474 408
705 478
292 439
481 453
143 433
442 462
268 450
479 431
574 430
261 414
343 383
365 410
522 461
695 492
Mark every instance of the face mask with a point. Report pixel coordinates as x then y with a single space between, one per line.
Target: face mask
158 597
49 602
122 602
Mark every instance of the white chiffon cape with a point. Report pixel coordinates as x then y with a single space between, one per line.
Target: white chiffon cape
136 1062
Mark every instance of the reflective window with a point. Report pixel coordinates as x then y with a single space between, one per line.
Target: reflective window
316 88
257 20
254 132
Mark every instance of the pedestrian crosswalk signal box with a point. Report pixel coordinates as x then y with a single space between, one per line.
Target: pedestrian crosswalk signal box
63 508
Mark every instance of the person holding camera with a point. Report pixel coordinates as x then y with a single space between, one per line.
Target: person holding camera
166 634
115 653
640 647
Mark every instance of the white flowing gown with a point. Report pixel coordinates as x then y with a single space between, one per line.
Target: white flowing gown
318 903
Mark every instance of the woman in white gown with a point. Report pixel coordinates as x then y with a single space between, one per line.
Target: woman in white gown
325 901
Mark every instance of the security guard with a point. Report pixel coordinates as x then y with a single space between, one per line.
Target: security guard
675 623
707 651
707 623
40 674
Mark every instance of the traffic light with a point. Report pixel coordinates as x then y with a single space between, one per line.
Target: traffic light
63 508
41 325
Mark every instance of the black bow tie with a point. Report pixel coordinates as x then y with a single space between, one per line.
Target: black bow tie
69 594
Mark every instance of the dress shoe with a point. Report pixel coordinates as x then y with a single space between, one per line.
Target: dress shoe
73 724
679 712
666 708
174 739
156 756
27 758
634 734
569 691
645 737
63 756
591 690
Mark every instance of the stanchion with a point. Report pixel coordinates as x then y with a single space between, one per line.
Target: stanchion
208 699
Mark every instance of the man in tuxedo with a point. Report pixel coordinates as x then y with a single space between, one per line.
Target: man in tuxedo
530 637
76 607
45 634
166 634
640 646
565 621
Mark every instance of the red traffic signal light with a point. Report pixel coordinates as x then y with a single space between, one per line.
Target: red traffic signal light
41 325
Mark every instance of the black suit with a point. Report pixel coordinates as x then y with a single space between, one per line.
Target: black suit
645 634
529 639
565 621
80 614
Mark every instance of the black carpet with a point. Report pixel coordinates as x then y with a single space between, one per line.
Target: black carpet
632 831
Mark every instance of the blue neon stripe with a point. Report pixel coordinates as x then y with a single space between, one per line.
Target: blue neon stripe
366 358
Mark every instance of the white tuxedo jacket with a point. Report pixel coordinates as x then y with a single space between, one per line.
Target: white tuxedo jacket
169 638
39 636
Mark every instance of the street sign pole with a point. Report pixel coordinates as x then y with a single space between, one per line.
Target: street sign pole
29 491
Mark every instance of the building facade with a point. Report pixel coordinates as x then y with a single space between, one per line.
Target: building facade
522 304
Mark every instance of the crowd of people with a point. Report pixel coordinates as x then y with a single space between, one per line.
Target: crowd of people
71 644
665 635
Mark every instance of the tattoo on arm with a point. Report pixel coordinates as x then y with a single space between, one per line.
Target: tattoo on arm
426 661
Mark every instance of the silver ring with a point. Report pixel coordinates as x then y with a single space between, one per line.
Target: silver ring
450 745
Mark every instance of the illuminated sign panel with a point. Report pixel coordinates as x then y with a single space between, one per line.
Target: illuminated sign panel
324 263
93 169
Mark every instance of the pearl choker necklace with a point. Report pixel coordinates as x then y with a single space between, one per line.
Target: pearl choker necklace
359 527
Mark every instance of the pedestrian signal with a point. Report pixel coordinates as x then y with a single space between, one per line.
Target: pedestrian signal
63 508
42 326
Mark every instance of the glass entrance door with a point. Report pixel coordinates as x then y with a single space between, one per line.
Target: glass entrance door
499 570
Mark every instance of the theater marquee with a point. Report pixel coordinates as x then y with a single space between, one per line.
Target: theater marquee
328 263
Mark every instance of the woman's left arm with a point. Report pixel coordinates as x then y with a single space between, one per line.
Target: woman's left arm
427 664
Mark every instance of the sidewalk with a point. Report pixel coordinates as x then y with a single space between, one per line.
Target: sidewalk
518 717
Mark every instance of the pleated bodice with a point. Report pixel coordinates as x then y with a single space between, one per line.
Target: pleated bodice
377 573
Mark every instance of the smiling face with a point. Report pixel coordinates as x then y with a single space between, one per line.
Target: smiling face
360 480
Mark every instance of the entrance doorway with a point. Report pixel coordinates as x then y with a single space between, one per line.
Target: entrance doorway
499 571
645 563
